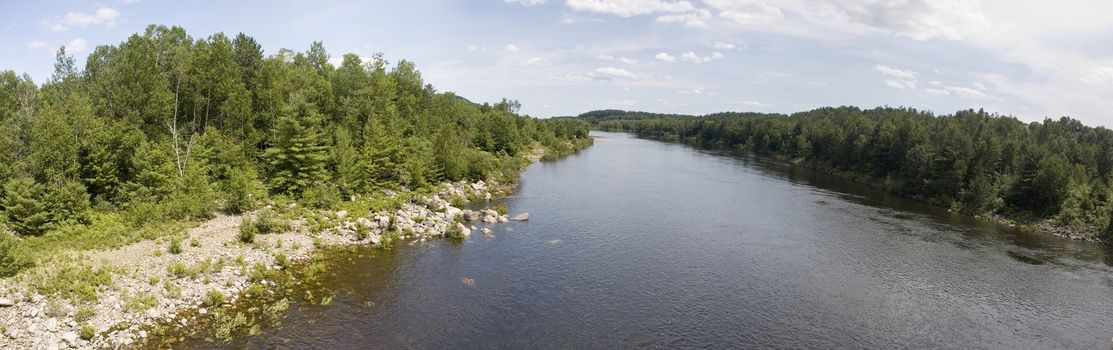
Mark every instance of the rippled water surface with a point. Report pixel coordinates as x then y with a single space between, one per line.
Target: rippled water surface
637 243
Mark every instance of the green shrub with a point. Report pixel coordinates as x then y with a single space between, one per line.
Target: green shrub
281 260
501 209
175 246
87 332
247 230
84 313
173 290
77 283
140 302
241 190
266 222
193 242
13 256
214 298
321 197
454 231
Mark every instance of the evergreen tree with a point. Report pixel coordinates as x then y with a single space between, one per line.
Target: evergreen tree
297 160
23 207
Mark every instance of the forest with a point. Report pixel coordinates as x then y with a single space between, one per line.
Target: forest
164 127
1056 172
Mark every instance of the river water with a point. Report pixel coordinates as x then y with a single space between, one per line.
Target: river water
642 244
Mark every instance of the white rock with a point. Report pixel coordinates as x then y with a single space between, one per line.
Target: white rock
6 302
51 323
503 219
464 230
521 217
202 311
486 231
69 337
342 214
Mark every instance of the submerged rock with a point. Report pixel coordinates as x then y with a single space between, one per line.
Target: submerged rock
469 215
521 217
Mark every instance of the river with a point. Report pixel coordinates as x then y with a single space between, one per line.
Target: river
642 244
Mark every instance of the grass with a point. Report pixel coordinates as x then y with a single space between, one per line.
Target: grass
84 313
140 302
173 290
281 260
73 282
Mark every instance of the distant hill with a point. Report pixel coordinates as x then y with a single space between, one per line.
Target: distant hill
594 117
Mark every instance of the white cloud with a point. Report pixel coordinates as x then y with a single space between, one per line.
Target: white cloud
627 60
665 57
35 44
722 45
748 103
627 8
103 16
612 72
572 78
128 2
526 2
538 61
975 93
901 84
747 12
1098 76
691 56
77 45
694 19
623 102
895 73
511 48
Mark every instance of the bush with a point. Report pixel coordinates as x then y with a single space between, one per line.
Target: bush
13 255
76 283
266 222
87 332
214 298
241 190
175 246
281 260
67 201
501 209
247 230
321 197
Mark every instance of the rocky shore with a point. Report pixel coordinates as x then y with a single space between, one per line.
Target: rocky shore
150 285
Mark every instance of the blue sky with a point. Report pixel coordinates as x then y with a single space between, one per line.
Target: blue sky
1032 59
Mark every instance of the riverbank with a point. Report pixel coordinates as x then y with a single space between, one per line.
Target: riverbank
110 298
1086 233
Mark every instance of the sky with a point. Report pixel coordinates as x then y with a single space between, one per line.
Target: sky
1026 58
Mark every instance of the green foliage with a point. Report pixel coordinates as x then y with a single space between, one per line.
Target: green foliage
25 211
321 197
247 230
87 332
165 127
175 246
73 282
13 256
296 158
213 298
266 222
139 302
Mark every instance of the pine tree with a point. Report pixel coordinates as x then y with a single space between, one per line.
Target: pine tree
23 207
297 159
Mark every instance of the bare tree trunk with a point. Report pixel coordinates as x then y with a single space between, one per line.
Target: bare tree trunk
179 160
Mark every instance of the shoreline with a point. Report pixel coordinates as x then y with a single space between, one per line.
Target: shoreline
148 286
1042 226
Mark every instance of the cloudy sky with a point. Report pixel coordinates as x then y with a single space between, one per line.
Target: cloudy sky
1032 59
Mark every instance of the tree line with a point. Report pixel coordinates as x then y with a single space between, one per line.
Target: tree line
970 161
164 126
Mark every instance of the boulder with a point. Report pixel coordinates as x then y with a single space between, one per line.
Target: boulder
6 302
70 337
490 219
503 219
464 230
486 231
469 215
342 214
521 217
489 212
